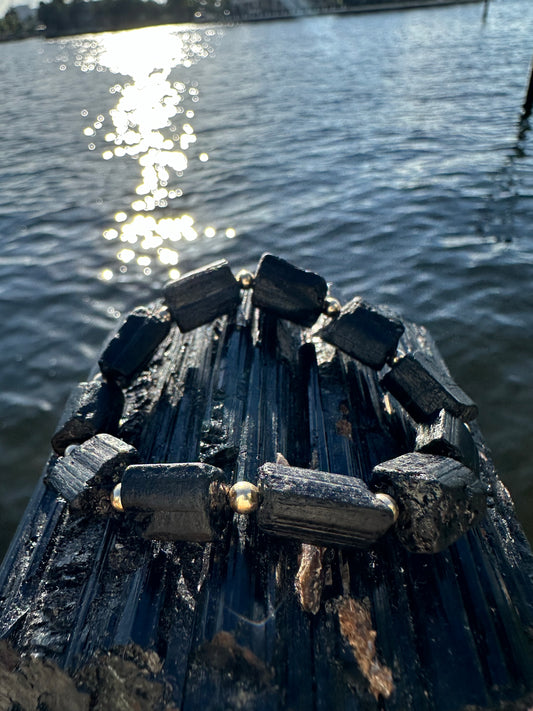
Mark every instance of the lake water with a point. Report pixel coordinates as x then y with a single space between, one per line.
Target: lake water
381 150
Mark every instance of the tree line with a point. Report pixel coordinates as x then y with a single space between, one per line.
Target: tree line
60 17
12 27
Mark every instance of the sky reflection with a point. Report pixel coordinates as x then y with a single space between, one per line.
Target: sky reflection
151 123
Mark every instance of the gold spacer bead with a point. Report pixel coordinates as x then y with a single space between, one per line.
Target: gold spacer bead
244 497
116 501
332 307
245 279
391 503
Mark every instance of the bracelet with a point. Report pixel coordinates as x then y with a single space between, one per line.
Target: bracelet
429 497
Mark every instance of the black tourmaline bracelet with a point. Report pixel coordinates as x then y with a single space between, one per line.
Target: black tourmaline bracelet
433 494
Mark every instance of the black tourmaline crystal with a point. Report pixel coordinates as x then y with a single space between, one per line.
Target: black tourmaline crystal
184 499
367 333
92 408
89 472
448 436
319 507
135 342
201 296
439 499
288 292
424 389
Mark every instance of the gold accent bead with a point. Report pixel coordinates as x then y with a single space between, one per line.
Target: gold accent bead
332 307
116 501
245 279
244 497
391 503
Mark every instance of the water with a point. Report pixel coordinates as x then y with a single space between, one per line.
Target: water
381 150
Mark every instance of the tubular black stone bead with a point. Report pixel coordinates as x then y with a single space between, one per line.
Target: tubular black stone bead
288 292
180 497
319 507
367 333
201 296
135 342
91 470
92 408
424 389
439 499
448 436
180 486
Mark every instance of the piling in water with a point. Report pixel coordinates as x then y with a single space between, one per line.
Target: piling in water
528 103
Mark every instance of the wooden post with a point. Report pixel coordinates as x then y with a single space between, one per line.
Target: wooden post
528 103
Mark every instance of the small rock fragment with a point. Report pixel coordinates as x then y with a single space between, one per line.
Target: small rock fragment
235 661
311 577
357 629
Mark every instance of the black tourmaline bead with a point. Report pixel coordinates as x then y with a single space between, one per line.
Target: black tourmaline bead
131 348
201 296
424 389
88 474
448 436
439 499
367 333
288 292
185 499
319 507
91 409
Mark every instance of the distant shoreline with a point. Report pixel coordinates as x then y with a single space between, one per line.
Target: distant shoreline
250 14
364 7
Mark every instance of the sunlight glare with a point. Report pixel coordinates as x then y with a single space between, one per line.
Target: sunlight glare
151 91
106 275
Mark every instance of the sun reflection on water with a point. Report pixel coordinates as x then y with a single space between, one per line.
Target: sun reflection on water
151 123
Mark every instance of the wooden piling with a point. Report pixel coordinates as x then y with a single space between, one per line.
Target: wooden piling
528 102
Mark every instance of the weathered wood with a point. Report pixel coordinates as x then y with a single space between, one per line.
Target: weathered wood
424 389
388 629
200 296
368 333
320 507
287 291
92 408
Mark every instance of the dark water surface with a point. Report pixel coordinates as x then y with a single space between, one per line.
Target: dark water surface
381 150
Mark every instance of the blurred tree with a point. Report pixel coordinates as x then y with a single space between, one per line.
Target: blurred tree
10 26
54 15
